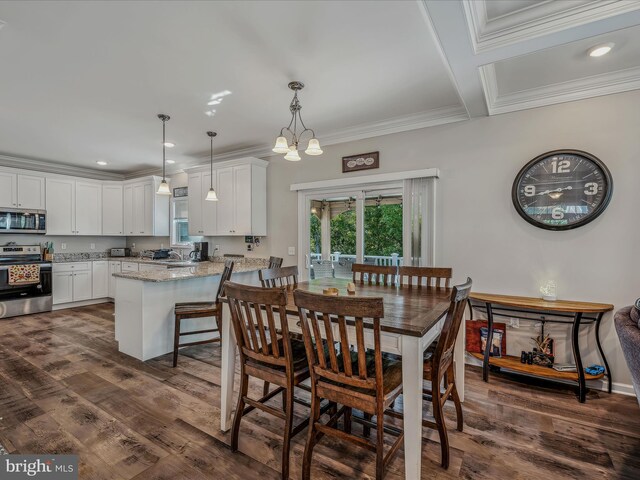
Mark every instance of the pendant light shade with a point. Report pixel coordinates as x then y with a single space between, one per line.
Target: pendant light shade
293 155
314 147
163 188
211 194
282 146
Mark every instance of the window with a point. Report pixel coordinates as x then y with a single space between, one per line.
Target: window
180 223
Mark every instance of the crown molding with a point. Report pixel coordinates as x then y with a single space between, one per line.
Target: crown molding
534 21
57 168
587 87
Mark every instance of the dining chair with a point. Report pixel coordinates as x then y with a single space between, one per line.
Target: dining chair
425 276
275 262
360 379
187 310
279 277
342 268
439 369
321 269
374 274
266 352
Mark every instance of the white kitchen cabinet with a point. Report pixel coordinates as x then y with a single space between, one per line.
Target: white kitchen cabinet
8 190
149 267
72 282
114 267
31 192
242 199
88 209
112 209
100 279
146 213
202 213
196 204
130 266
61 206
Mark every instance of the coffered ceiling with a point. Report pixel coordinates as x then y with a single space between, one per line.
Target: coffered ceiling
83 81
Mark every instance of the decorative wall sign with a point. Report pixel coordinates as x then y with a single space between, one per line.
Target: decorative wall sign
561 190
362 161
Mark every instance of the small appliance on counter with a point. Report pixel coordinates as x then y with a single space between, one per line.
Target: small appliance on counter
120 252
156 254
25 281
200 252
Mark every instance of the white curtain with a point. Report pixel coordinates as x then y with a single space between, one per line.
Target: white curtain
419 221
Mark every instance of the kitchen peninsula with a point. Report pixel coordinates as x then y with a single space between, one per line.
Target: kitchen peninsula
144 303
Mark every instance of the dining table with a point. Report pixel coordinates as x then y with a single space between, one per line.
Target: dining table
413 319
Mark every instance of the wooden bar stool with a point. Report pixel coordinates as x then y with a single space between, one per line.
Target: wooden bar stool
275 262
186 310
439 369
361 380
266 352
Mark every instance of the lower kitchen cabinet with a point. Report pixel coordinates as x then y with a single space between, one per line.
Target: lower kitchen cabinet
72 282
100 279
114 267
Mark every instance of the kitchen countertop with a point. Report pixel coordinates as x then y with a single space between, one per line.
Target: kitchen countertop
204 269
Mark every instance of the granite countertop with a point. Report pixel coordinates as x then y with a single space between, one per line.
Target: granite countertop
96 257
204 269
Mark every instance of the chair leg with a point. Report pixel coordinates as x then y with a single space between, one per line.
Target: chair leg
456 401
219 327
265 389
380 445
347 420
311 438
244 388
176 340
442 428
287 394
366 431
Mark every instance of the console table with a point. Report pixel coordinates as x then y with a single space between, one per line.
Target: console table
573 313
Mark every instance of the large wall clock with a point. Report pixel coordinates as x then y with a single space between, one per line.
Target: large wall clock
562 189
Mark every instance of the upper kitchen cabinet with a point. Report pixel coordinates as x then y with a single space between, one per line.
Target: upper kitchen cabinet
74 207
112 209
241 209
145 212
21 191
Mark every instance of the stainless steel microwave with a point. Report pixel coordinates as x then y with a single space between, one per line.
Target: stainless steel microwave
14 220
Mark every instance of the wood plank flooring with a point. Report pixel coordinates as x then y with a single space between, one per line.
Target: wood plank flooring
65 388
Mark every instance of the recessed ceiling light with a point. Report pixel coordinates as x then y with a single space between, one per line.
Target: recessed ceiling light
221 94
101 162
600 50
169 144
210 113
217 101
171 161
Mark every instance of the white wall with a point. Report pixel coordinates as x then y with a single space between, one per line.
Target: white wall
479 232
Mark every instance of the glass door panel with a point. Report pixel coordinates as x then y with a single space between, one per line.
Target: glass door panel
383 227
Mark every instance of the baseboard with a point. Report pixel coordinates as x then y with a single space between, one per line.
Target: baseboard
616 387
84 303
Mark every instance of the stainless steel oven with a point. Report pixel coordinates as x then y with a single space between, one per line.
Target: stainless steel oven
13 220
23 299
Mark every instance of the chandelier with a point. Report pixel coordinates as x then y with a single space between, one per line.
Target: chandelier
290 147
163 188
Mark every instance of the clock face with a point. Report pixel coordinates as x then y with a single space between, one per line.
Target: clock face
562 189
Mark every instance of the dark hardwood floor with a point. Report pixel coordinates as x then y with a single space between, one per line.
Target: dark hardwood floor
65 388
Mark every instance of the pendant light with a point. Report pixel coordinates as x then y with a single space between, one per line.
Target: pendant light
163 188
211 194
291 148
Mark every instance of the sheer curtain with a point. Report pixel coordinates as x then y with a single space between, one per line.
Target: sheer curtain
419 221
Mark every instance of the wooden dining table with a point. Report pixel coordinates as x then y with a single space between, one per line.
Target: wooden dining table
413 318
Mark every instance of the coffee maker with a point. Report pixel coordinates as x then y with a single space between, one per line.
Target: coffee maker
200 252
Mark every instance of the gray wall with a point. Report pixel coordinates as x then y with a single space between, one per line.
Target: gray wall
74 244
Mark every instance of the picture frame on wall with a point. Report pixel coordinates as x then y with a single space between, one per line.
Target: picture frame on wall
362 161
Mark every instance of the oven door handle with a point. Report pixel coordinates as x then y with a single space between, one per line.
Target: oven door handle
43 267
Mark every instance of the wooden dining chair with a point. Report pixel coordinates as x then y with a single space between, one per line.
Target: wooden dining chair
279 277
266 351
425 276
375 274
439 369
360 379
186 310
275 262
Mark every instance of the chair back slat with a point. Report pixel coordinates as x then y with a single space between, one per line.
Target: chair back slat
275 262
257 339
279 277
425 276
348 314
443 356
375 274
226 275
